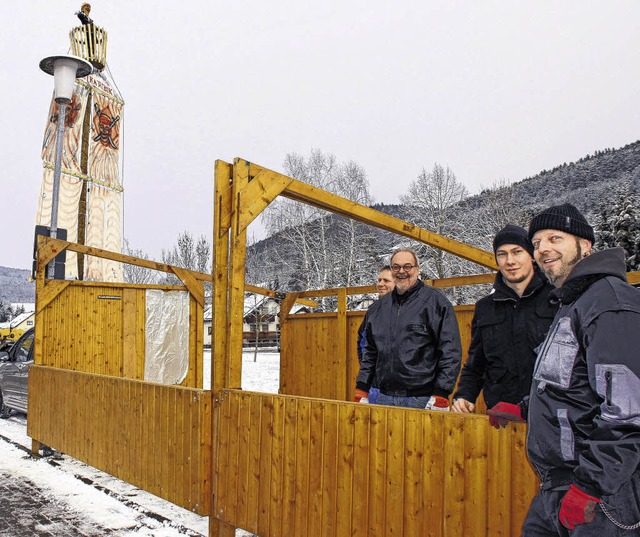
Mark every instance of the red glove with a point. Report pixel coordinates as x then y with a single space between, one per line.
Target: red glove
436 402
360 394
502 413
577 507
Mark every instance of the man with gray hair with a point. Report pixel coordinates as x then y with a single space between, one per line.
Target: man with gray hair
412 347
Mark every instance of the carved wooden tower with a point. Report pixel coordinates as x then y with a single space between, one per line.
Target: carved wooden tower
90 198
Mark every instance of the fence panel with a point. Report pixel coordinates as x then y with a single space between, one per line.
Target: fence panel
155 437
337 468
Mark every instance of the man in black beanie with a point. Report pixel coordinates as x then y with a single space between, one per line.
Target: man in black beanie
507 326
569 221
583 410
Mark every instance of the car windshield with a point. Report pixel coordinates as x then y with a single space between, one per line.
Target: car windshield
23 347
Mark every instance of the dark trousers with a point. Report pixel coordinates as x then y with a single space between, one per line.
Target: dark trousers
542 519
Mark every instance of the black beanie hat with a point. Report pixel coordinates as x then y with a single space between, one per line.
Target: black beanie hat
565 218
511 234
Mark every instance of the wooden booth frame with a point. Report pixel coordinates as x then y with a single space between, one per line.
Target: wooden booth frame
306 461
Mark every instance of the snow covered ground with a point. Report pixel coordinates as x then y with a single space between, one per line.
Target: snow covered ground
116 507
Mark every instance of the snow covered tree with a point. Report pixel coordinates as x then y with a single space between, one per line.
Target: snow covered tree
499 208
620 226
431 204
135 273
5 312
318 249
188 254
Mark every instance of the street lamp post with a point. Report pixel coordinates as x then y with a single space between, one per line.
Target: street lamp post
65 69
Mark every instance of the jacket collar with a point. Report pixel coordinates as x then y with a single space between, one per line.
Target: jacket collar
598 265
400 298
503 292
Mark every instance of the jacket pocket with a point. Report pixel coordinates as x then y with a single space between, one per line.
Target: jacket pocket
618 386
419 331
494 373
559 354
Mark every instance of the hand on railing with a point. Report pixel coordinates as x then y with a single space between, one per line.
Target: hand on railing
463 406
437 402
503 413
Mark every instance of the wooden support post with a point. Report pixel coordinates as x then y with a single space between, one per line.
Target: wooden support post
341 342
35 448
259 193
220 312
237 272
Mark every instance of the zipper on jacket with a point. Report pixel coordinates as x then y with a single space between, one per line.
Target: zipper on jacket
607 378
545 345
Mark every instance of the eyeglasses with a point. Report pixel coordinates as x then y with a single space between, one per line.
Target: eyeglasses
406 267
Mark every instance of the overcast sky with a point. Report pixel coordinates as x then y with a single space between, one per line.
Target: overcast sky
495 90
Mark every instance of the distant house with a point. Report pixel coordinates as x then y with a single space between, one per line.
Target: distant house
261 321
362 302
17 326
208 329
26 306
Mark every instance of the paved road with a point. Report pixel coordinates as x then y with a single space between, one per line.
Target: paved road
30 504
27 510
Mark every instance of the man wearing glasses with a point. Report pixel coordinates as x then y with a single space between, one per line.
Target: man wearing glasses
412 347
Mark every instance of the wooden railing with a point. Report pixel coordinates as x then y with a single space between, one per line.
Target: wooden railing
309 467
154 436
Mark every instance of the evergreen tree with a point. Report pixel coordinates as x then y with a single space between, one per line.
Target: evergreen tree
626 227
604 230
5 312
620 226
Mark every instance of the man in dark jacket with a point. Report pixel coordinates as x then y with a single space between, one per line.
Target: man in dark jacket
583 411
412 342
507 326
385 285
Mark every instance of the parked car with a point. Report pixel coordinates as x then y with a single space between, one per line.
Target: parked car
6 344
14 374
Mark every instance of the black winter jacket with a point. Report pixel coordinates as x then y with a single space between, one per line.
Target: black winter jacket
584 404
505 332
412 344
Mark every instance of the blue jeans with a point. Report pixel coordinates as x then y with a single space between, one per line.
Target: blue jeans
409 402
374 393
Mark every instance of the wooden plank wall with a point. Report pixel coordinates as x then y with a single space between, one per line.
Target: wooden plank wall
307 467
155 437
100 328
314 362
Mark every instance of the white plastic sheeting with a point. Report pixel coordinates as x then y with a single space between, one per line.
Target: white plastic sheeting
167 336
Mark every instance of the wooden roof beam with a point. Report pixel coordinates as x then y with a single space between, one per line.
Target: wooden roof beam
316 197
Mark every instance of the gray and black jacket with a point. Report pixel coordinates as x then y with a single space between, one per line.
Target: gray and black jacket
584 404
412 344
505 332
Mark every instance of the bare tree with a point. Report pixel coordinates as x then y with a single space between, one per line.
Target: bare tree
431 204
189 254
320 250
136 273
499 208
